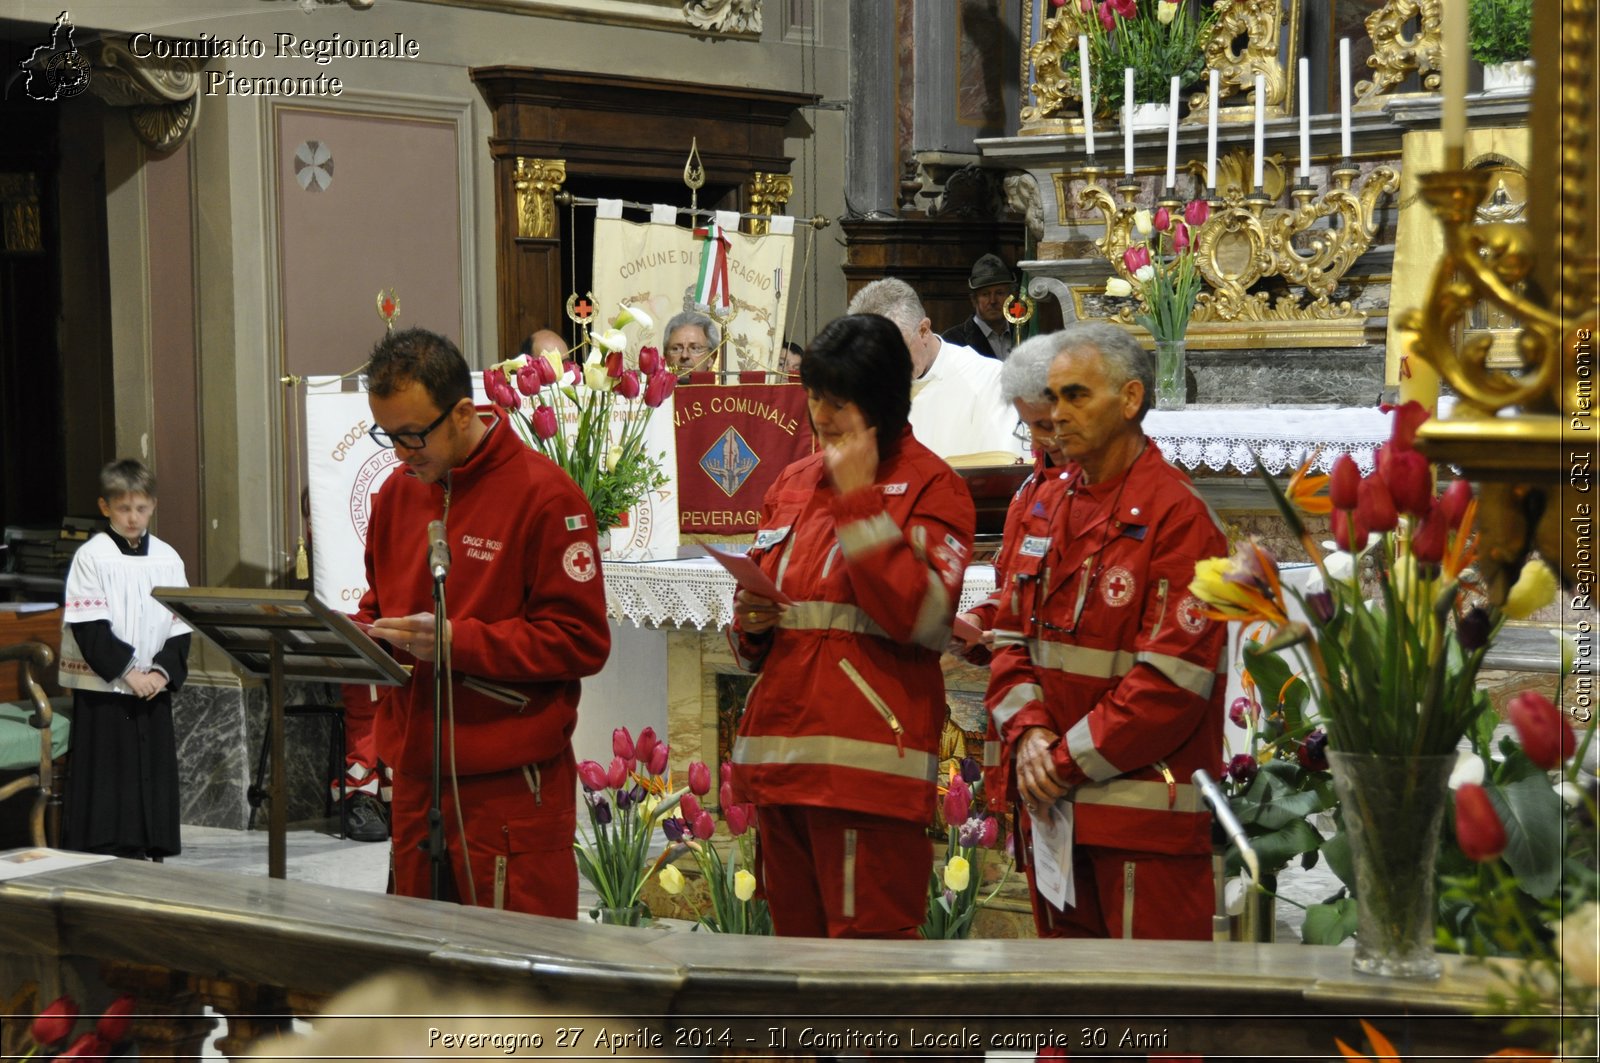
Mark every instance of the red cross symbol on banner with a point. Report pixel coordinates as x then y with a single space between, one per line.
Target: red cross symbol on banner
580 310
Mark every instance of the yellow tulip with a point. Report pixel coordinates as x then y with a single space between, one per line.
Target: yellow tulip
744 885
1118 287
1166 12
671 880
957 874
1143 222
1535 588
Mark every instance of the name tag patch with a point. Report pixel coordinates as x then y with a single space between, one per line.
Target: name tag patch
1034 546
771 537
895 489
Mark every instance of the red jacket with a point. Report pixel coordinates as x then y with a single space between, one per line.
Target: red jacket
1115 657
875 575
525 599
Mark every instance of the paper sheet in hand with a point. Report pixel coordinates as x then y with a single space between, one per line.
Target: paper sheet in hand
748 575
968 633
1052 855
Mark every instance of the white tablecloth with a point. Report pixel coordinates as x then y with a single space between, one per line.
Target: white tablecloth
1278 438
699 591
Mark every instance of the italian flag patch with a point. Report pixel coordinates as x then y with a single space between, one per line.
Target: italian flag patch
576 522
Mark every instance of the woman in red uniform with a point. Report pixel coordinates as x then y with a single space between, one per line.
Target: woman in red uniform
838 745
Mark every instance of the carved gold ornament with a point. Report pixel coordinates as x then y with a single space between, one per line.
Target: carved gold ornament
769 194
536 182
1395 56
1258 23
1054 84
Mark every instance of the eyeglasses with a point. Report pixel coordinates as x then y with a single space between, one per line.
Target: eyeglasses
409 440
687 348
1023 432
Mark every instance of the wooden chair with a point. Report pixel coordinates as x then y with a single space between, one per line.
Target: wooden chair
31 739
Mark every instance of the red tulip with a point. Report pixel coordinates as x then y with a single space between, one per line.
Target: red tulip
87 1046
543 370
659 387
1544 732
55 1022
991 832
1243 768
614 364
1348 533
1126 8
1196 212
1407 419
646 745
1136 258
528 377
1313 752
1107 19
544 422
628 384
699 777
592 775
1428 539
1180 236
689 807
622 744
704 825
1409 481
649 361
1479 831
1374 508
738 817
725 795
1343 481
1454 501
571 374
617 774
1162 220
725 770
658 759
114 1024
1239 712
957 803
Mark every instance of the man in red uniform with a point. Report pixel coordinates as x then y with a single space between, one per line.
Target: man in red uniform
1107 681
527 614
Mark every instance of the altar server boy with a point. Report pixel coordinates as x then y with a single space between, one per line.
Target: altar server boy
123 654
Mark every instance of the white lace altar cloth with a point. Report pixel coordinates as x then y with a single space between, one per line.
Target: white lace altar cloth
1276 438
699 592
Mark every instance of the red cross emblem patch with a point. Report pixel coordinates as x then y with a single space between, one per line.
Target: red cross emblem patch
1190 618
1117 586
579 562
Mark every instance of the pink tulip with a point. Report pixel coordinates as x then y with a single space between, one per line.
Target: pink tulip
658 759
489 376
725 796
725 770
957 803
738 817
1239 712
622 743
991 832
1344 480
592 775
628 384
1180 236
1126 8
1086 6
659 387
118 1018
689 807
617 774
1196 212
646 745
1454 501
704 825
1107 19
1162 220
544 371
1409 481
1428 539
1136 258
699 777
1545 735
1374 507
55 1022
544 422
528 377
650 361
1479 832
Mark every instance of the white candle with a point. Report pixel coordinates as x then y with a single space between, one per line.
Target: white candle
1261 121
1172 136
1127 118
1088 94
1211 135
1454 87
1305 118
1344 97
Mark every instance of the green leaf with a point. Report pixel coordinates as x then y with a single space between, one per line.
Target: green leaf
1276 848
1531 811
1329 924
1336 850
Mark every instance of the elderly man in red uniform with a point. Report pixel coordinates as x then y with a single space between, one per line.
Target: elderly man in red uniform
526 613
1107 681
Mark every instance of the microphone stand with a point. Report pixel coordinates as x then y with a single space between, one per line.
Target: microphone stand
435 844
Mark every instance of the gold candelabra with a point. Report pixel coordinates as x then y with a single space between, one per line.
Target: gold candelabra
1248 239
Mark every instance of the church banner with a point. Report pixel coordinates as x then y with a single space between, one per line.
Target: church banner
733 441
657 266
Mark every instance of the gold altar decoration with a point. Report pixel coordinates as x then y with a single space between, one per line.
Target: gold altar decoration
1528 437
1053 85
536 182
1260 24
1395 56
1249 238
769 194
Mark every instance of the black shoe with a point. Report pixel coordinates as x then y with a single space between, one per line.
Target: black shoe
365 818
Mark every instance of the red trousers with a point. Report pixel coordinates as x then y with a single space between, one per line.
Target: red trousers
830 873
519 831
1173 898
359 710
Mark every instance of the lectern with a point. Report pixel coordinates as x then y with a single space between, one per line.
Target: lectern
277 636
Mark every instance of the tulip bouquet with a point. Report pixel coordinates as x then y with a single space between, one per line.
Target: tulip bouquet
731 886
626 801
54 1024
1160 270
589 417
969 833
1157 38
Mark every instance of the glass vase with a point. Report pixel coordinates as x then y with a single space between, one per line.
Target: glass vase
1172 383
635 915
1392 809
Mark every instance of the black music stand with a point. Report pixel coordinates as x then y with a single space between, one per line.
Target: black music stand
276 636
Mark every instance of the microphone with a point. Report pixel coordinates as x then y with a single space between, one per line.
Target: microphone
438 550
1230 823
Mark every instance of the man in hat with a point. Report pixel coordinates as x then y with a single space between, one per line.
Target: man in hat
986 331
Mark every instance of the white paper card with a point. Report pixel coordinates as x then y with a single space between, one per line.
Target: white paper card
782 225
608 208
663 214
20 863
728 220
1052 855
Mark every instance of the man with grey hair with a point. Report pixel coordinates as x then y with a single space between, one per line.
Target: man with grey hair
690 338
1105 689
955 391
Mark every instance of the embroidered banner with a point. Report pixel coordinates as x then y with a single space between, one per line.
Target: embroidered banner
733 441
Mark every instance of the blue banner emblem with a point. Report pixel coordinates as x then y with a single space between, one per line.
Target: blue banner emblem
729 462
